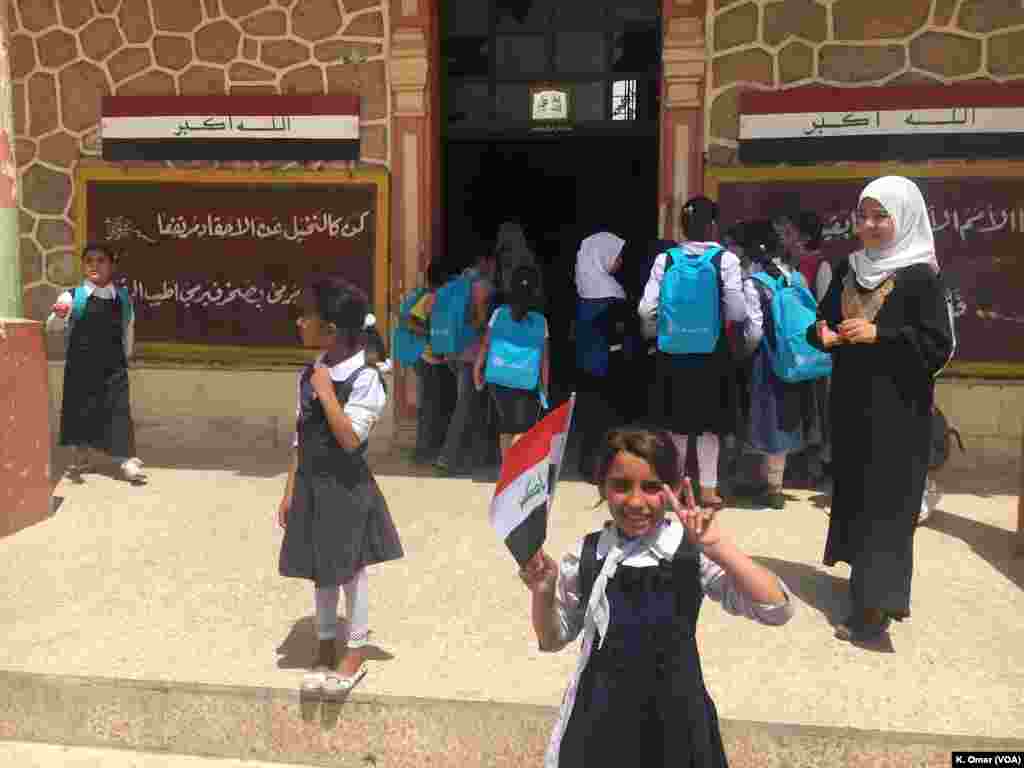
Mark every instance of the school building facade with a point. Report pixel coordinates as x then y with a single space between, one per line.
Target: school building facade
407 60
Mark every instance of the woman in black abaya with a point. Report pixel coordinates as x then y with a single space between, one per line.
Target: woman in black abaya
887 324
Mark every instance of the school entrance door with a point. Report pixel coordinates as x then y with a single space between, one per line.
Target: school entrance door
551 118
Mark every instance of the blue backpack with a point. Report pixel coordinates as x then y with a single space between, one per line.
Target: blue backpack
406 345
516 351
79 298
450 331
793 311
689 316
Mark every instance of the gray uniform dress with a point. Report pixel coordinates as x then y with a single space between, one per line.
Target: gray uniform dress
339 521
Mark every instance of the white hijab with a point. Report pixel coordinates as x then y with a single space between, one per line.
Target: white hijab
914 242
593 267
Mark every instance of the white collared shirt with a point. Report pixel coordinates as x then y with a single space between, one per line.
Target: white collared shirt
366 403
55 323
714 580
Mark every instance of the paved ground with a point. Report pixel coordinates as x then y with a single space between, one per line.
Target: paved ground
178 581
31 755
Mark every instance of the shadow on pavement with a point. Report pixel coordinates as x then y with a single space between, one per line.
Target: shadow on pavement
827 594
986 482
993 544
299 649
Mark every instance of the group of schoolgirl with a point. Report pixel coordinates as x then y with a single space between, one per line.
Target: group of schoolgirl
495 343
717 320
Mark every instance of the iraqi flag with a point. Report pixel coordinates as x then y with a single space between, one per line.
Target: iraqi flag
526 488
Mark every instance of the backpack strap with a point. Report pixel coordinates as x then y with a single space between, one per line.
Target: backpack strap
127 310
588 567
79 298
671 255
351 380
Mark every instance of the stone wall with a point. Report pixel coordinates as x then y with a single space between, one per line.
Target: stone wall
66 54
774 44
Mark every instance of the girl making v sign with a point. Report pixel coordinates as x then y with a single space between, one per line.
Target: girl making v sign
634 590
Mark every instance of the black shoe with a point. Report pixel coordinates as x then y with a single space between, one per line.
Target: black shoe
856 630
773 500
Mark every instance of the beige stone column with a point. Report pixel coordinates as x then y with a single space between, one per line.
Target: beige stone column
415 170
682 101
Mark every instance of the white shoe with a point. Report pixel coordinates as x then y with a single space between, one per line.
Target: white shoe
131 470
313 681
336 686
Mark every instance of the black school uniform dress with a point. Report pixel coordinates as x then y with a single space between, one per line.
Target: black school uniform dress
96 409
641 695
339 521
696 393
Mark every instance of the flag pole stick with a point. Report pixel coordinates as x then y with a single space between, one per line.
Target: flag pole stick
558 472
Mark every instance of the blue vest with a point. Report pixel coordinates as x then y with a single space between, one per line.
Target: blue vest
591 343
689 312
516 350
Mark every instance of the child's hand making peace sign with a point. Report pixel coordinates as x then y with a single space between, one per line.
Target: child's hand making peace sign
700 524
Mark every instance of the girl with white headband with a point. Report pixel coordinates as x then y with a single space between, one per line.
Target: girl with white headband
887 323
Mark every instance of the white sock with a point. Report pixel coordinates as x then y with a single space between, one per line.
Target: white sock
357 607
707 459
326 599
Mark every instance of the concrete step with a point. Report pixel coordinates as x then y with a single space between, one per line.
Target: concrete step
273 725
27 754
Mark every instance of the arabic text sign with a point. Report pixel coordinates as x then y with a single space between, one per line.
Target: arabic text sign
883 122
549 104
225 263
306 127
979 238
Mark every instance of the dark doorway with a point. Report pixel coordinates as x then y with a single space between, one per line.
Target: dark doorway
562 180
560 191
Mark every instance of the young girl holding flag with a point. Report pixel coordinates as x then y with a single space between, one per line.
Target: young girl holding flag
634 590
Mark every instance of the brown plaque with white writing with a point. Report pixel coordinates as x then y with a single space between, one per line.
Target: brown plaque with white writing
977 213
215 261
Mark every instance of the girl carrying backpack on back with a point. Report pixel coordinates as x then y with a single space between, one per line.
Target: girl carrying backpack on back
781 414
692 291
514 359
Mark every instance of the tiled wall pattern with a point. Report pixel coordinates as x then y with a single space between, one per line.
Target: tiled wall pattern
65 54
773 44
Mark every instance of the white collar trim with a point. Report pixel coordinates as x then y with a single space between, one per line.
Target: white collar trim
664 546
346 367
102 292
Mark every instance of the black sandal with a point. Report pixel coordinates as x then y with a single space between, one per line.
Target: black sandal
856 630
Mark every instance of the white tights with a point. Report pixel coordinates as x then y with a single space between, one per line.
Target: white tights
357 610
707 457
